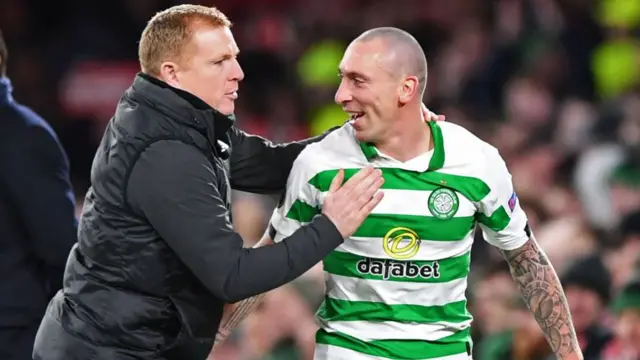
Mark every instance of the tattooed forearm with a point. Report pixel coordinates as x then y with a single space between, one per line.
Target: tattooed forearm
231 319
240 311
542 292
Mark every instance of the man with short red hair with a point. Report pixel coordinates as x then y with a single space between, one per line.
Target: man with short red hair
157 256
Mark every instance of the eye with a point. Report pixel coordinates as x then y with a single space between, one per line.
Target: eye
222 60
358 82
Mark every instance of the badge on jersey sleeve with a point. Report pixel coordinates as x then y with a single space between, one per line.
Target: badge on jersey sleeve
513 200
443 203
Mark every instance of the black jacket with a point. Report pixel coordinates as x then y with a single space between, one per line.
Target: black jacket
157 256
37 213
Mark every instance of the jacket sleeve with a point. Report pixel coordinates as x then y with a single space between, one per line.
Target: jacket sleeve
35 173
175 187
258 165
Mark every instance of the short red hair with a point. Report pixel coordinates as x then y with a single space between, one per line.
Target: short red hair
169 32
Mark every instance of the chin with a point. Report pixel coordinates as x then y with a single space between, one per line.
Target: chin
362 136
226 108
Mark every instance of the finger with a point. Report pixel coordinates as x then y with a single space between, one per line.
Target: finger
337 181
369 193
425 112
362 186
357 178
372 189
441 118
370 205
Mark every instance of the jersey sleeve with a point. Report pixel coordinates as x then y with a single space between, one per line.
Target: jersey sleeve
502 220
299 204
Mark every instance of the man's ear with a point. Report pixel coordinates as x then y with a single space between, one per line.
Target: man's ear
408 89
169 73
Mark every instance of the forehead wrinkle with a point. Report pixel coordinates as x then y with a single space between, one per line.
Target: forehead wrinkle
379 58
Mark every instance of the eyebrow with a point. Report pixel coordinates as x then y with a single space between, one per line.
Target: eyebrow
353 74
228 56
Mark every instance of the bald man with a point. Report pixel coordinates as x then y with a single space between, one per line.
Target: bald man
396 288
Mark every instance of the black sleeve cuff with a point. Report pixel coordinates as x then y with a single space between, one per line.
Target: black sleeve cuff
331 236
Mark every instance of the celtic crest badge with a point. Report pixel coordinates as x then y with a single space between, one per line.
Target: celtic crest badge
443 203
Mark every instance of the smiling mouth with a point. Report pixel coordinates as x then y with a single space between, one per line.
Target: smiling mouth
356 115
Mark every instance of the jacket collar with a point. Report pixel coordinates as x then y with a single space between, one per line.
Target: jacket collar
182 106
5 90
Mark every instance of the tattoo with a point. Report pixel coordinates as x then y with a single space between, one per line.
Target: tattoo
242 309
541 290
237 315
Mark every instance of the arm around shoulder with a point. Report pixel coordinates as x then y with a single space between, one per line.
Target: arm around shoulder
260 166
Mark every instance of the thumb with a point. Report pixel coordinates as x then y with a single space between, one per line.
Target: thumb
337 181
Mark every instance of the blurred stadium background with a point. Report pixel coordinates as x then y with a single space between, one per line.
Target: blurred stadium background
554 84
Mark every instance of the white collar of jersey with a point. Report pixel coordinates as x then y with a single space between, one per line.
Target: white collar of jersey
437 160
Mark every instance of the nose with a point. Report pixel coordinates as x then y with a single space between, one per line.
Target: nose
236 73
343 94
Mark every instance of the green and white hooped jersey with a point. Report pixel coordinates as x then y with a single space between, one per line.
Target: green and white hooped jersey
396 288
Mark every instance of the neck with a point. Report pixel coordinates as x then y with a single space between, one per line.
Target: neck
408 138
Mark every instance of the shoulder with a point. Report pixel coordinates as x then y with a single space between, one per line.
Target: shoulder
458 139
329 153
29 135
176 163
172 152
335 142
136 119
23 123
465 150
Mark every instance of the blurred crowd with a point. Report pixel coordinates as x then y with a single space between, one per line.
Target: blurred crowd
553 84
